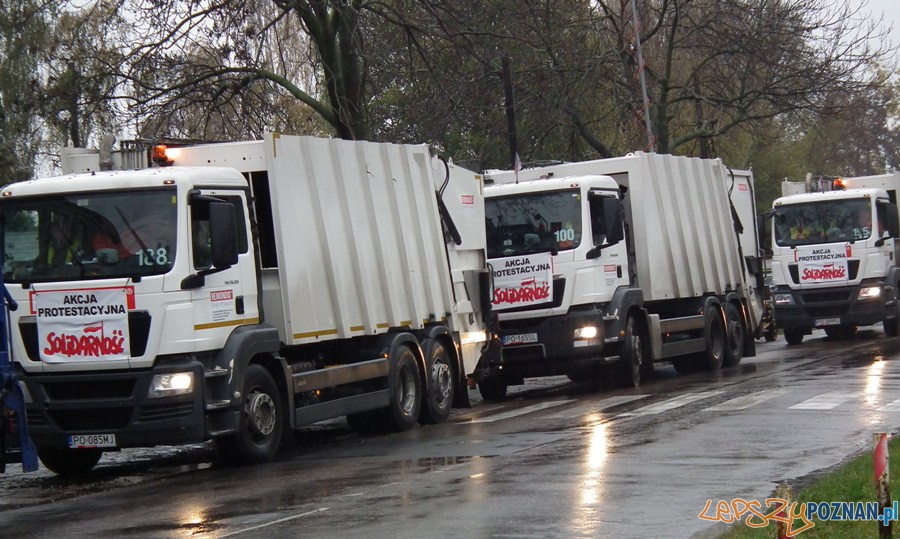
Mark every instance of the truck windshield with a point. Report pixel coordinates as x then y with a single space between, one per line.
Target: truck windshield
845 220
88 236
531 223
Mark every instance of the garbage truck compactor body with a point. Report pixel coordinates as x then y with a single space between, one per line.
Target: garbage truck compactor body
268 285
609 266
834 257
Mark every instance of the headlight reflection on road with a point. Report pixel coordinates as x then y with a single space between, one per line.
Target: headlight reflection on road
873 381
193 519
597 452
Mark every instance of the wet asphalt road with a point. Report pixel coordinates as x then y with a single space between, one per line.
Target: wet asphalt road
555 460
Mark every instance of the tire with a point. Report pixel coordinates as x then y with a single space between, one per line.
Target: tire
69 462
441 384
793 336
631 362
712 358
735 335
492 389
405 382
890 327
261 421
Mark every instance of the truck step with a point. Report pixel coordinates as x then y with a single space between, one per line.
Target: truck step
218 372
217 405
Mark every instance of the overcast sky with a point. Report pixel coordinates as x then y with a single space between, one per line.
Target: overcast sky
891 11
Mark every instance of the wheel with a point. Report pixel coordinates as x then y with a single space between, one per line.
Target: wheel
892 325
69 462
441 383
261 421
492 389
713 356
405 381
793 336
631 361
735 333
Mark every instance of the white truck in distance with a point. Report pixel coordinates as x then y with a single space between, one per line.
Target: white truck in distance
834 256
620 263
249 289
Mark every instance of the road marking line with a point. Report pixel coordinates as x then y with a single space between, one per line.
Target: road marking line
520 411
598 406
892 406
670 404
746 401
279 521
825 401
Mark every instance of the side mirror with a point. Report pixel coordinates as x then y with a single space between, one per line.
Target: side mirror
612 214
223 232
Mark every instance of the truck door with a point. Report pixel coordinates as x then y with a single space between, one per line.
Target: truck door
607 236
224 294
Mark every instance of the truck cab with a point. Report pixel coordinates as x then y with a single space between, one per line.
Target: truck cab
834 262
558 257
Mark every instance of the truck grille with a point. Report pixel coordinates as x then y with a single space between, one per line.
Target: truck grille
138 333
91 419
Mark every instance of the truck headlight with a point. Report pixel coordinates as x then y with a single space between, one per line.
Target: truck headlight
169 385
870 292
588 332
784 299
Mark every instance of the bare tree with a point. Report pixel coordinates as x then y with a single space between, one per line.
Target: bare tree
210 63
714 65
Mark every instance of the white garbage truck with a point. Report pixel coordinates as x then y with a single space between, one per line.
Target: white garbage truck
604 268
244 290
834 256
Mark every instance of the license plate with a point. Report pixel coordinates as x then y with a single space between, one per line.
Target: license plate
821 322
523 338
80 441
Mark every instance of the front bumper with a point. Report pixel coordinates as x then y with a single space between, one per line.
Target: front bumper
548 347
115 403
833 306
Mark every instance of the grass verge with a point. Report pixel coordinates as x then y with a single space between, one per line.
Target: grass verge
853 481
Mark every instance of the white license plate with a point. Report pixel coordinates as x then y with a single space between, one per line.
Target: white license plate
523 338
79 441
821 322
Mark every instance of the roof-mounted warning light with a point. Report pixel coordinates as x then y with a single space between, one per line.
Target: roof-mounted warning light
159 154
838 184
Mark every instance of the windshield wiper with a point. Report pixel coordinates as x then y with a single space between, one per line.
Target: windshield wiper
137 236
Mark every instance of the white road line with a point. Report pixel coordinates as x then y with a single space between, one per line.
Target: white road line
520 411
279 521
598 406
670 404
892 406
825 401
746 401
